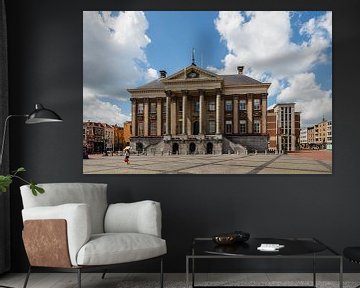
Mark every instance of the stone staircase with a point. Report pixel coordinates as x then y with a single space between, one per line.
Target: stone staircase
157 148
230 147
250 143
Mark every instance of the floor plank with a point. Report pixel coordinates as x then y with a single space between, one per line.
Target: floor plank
115 280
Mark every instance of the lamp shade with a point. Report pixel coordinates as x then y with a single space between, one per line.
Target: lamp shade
42 115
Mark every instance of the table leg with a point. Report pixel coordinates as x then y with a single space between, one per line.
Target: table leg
314 271
193 272
187 272
341 273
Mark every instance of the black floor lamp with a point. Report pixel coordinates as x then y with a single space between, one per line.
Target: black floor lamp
39 115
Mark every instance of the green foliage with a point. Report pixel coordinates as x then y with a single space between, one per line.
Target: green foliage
6 180
36 189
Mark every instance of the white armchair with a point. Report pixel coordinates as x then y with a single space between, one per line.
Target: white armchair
72 228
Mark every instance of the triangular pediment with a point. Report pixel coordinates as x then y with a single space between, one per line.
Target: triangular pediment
192 72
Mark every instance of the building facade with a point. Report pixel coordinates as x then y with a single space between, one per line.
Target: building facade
195 111
102 137
109 134
127 132
303 137
319 136
93 137
119 141
329 135
283 127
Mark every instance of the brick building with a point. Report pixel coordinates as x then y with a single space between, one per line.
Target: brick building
283 127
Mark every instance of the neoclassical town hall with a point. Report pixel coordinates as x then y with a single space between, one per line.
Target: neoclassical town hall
195 111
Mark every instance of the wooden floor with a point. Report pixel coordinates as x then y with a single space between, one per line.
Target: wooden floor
117 280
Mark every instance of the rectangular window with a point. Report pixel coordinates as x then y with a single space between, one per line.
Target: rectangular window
153 131
196 106
153 107
212 127
141 129
242 126
228 106
242 105
257 126
211 106
164 107
140 108
257 104
228 126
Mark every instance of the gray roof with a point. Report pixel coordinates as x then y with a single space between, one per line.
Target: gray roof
237 79
156 84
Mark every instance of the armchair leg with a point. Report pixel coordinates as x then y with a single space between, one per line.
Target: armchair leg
161 273
79 277
27 277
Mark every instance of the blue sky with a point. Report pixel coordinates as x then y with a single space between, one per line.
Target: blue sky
292 50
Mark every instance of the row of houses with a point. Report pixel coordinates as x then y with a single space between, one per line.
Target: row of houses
102 137
317 136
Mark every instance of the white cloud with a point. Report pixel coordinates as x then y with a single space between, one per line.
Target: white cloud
113 50
151 74
311 101
114 59
262 42
97 110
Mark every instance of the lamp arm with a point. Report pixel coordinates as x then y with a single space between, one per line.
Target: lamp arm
4 134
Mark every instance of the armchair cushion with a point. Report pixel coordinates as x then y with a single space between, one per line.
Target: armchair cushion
138 217
113 248
78 221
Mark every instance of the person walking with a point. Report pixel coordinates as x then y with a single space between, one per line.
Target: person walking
127 156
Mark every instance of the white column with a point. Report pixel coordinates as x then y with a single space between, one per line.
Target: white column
133 117
201 112
167 114
146 117
218 112
158 116
184 102
173 116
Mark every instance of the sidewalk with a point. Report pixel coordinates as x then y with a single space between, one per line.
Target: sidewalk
313 154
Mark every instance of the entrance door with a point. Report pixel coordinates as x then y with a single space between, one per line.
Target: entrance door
175 148
209 148
192 148
196 128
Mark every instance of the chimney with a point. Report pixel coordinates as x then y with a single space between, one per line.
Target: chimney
240 69
162 74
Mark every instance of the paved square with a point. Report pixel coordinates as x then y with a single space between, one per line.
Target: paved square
207 164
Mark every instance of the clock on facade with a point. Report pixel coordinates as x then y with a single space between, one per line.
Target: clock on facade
192 74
